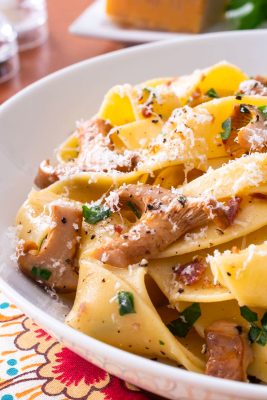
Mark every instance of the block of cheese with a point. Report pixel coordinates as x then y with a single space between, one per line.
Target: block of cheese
170 15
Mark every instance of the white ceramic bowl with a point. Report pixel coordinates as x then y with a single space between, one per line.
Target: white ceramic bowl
36 120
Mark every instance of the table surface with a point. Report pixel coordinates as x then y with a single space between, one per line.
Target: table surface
60 50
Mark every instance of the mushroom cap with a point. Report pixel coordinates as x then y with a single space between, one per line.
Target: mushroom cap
228 349
165 216
53 265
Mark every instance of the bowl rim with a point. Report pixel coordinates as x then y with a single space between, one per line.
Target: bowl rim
46 321
124 51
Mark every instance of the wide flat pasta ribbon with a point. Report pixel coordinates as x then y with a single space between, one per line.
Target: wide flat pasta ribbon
96 313
244 273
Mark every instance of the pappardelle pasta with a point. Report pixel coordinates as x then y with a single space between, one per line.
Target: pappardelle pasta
154 216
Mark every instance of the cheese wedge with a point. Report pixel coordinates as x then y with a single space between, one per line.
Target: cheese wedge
171 15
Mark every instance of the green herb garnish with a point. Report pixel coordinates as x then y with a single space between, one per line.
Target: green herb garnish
182 325
262 339
248 314
149 91
41 273
227 127
256 333
212 93
263 110
182 199
134 209
161 342
126 303
146 90
264 321
94 214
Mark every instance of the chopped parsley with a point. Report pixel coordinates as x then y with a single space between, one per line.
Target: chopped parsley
182 325
161 342
263 110
146 90
248 314
149 91
227 127
126 303
134 209
256 333
95 214
182 199
41 273
212 93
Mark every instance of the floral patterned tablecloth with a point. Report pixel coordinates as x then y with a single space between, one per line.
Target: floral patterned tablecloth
33 365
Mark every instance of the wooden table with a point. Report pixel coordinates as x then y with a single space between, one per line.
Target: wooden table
60 50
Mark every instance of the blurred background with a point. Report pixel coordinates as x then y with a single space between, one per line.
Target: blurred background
38 37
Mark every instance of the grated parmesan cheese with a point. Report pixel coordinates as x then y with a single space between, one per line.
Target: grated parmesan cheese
113 201
195 236
251 250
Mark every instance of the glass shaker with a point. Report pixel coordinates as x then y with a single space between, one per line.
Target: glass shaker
29 19
9 62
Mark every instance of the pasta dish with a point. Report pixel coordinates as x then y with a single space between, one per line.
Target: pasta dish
154 217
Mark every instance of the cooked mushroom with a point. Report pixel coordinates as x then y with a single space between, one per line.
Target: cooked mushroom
53 265
164 218
228 350
253 136
252 87
190 273
261 79
248 131
92 140
223 216
46 175
94 130
97 153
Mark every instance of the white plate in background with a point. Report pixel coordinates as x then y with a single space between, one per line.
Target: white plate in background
94 22
36 120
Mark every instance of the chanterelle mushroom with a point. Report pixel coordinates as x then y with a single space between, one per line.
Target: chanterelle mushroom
253 136
248 131
53 266
97 153
228 350
252 87
46 175
95 128
165 217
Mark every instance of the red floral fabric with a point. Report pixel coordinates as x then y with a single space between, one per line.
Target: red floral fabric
33 365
